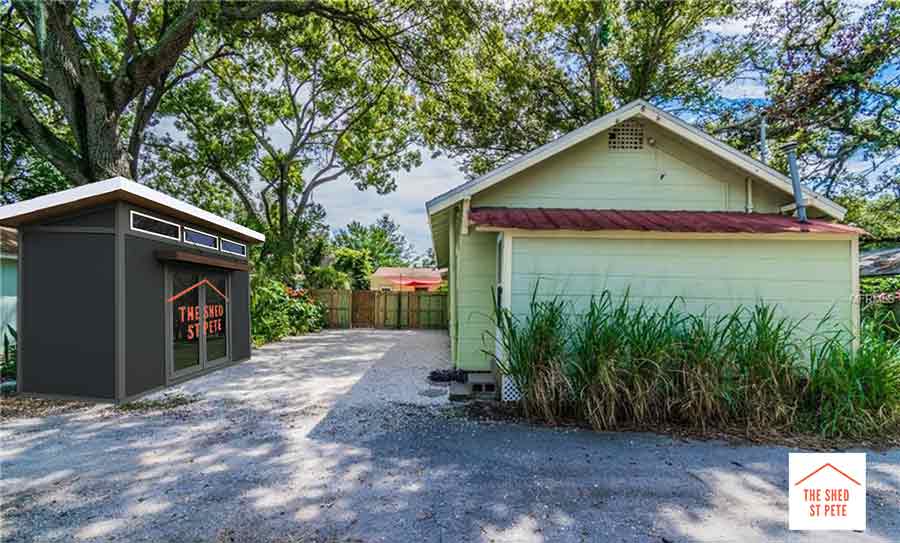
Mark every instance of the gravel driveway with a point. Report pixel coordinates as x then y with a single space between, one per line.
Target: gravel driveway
338 437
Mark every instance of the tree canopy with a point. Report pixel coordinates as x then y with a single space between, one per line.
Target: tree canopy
381 240
82 86
831 73
828 72
246 108
284 114
541 68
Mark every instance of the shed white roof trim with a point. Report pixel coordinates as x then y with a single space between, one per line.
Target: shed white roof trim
114 184
628 111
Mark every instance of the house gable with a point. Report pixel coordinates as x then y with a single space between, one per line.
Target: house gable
643 110
635 165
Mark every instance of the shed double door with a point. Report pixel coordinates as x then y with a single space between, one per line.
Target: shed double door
197 313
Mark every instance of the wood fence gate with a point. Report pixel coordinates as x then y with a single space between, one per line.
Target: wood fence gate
374 309
363 309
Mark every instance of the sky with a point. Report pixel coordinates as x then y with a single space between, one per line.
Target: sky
406 205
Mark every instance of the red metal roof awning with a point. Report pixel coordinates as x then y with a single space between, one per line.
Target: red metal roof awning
416 282
722 222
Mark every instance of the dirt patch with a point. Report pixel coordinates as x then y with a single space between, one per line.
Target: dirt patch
488 411
166 403
19 407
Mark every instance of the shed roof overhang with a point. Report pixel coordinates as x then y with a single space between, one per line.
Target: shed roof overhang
193 257
115 190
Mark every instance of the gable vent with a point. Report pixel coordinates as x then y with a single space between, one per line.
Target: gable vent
627 136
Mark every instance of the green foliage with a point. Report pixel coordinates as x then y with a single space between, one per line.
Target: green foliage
619 366
830 75
879 285
82 81
8 366
536 355
426 259
880 217
541 68
356 264
382 240
857 393
277 311
25 173
884 312
328 277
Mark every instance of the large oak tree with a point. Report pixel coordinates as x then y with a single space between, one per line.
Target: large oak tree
81 86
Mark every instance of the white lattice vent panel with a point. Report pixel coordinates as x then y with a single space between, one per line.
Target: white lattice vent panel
627 136
509 391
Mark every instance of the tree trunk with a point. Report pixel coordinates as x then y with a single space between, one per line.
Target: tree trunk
106 152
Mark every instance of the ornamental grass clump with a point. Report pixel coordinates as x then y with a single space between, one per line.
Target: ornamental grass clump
535 350
856 393
615 365
619 363
768 361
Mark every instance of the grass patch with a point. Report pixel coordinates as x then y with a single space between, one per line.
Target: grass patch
618 366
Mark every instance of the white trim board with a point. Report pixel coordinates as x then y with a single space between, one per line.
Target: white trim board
137 191
633 109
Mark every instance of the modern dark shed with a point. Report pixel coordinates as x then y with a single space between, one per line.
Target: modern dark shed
124 290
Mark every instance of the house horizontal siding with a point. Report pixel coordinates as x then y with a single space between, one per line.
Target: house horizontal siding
667 175
474 298
805 279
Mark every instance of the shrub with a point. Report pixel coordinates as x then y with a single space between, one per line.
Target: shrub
616 365
8 366
328 277
356 264
277 311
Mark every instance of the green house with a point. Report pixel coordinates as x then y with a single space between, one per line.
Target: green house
9 264
643 202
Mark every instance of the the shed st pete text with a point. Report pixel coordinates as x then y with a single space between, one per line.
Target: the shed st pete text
213 321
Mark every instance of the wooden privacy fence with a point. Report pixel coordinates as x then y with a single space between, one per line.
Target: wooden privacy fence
374 309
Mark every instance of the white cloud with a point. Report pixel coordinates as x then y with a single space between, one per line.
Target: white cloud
744 88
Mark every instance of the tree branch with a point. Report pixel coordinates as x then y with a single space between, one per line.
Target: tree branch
52 147
33 82
147 68
229 180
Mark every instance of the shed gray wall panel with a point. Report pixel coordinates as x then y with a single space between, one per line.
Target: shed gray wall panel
69 325
101 217
240 311
145 355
